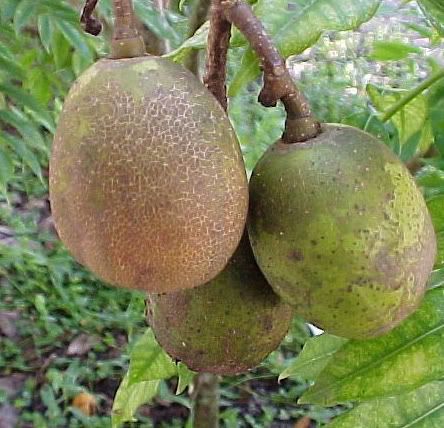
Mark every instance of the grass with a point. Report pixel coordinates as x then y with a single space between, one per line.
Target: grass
64 333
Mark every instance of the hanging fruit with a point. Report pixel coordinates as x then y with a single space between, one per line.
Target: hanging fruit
147 182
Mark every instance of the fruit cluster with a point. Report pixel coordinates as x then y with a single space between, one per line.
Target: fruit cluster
149 191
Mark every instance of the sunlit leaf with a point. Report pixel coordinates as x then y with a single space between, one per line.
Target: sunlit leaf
294 29
412 121
129 398
406 358
60 49
197 41
436 209
148 361
182 4
314 357
38 84
392 50
421 408
186 377
434 10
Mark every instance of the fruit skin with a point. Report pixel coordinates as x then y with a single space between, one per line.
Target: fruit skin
147 182
341 232
226 326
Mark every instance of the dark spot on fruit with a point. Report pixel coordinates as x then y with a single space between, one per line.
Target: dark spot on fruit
296 255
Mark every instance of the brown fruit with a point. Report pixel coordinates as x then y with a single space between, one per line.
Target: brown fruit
147 183
227 326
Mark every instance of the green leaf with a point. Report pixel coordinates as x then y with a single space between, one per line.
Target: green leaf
148 361
129 398
421 408
409 356
25 127
75 38
155 21
24 99
410 120
436 209
60 49
79 63
186 377
182 4
9 64
392 51
60 10
45 31
8 9
39 86
293 29
431 180
314 357
23 13
245 74
6 168
434 11
436 279
197 41
27 156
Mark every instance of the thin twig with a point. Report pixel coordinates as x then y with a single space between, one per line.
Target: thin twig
411 95
278 84
217 49
89 23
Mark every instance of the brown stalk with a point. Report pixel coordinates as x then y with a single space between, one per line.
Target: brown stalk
89 23
278 84
206 401
217 49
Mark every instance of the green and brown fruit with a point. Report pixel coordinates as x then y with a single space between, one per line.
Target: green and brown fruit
227 326
147 182
341 231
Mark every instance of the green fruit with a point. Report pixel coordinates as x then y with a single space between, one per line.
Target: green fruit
226 326
147 183
341 232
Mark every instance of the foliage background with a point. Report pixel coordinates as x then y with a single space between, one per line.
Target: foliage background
64 333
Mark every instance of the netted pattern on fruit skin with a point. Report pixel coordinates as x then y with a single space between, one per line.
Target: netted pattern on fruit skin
147 182
227 326
341 231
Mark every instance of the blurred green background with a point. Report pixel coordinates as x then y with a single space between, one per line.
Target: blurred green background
62 331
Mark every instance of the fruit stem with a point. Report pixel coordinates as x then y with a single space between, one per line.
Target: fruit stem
126 42
206 401
411 95
278 84
90 24
217 49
